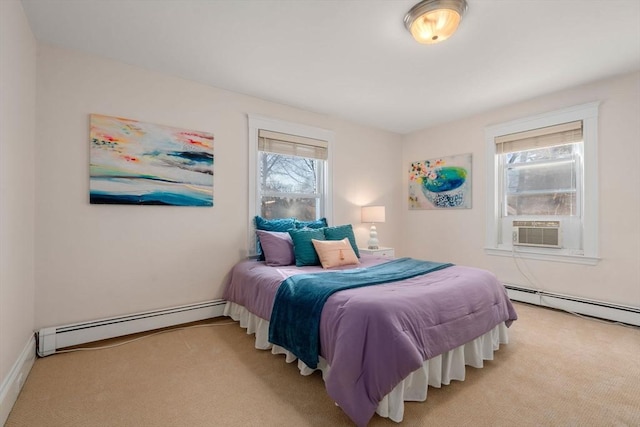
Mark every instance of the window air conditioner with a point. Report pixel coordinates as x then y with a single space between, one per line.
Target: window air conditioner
542 234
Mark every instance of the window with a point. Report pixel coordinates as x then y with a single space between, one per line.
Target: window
291 175
540 171
289 171
542 181
543 170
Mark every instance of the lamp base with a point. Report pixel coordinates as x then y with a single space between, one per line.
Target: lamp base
373 238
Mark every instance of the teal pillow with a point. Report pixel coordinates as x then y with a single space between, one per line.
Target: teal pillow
303 248
279 224
339 232
318 223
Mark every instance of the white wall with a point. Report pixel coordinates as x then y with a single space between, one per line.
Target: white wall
366 173
458 235
95 261
17 137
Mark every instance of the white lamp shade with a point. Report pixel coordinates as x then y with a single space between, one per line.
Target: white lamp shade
373 214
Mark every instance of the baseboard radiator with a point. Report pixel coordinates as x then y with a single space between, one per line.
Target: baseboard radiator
614 312
51 339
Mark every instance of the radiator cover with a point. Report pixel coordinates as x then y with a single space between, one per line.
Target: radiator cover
614 312
54 338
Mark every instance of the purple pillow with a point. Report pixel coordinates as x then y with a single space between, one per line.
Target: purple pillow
277 247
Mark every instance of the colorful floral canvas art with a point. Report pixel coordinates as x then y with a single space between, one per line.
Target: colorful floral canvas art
137 163
442 183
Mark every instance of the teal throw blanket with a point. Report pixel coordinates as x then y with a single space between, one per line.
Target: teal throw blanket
295 319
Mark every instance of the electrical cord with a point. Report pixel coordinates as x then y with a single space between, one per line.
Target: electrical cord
540 293
72 350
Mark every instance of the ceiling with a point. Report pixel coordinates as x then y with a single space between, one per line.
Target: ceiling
353 59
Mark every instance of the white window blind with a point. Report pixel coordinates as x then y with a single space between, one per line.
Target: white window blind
565 133
292 145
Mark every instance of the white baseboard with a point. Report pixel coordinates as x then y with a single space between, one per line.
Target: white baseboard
54 338
12 384
603 310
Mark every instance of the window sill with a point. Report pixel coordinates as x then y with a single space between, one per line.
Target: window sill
543 256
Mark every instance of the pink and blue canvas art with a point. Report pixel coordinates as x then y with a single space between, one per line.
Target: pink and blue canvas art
442 183
138 163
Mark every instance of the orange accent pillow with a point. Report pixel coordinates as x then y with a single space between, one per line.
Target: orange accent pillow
334 253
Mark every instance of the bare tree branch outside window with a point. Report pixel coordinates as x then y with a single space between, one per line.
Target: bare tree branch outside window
289 186
541 181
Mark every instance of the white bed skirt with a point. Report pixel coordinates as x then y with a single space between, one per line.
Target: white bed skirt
434 372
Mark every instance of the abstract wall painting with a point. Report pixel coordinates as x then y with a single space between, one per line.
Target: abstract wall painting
137 163
442 183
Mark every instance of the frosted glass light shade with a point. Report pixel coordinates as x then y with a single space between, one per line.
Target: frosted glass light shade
433 21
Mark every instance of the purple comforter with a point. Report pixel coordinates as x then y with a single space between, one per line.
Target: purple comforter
374 337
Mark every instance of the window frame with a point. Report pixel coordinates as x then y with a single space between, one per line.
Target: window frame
257 122
588 114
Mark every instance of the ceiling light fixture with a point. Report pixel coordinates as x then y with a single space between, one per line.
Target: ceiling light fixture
433 21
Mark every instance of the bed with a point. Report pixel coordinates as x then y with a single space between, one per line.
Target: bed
382 345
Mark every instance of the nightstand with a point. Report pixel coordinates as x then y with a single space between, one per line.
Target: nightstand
385 252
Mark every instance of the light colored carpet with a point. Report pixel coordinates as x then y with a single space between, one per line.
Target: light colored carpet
557 370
